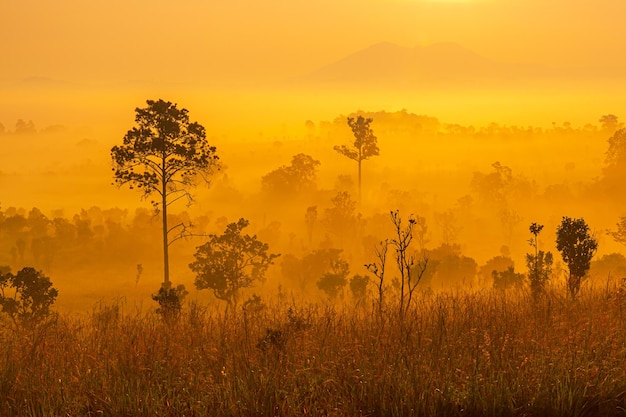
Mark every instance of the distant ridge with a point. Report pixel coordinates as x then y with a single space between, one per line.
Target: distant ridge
388 64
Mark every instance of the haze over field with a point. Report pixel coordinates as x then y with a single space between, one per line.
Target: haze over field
452 86
73 62
332 207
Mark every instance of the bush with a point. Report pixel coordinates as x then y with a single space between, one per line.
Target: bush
170 301
27 296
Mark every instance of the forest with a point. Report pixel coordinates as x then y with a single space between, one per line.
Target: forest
302 273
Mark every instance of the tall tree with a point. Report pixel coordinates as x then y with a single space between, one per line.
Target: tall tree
365 143
164 154
577 247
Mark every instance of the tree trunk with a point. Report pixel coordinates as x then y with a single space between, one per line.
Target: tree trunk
359 182
166 259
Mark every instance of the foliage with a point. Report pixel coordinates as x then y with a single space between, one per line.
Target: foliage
231 261
365 143
607 266
495 187
163 155
539 264
615 165
577 247
335 280
27 296
296 178
358 287
342 218
619 235
616 153
610 123
310 267
497 263
539 271
507 279
170 302
449 267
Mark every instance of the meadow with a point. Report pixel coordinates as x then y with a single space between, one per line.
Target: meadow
455 353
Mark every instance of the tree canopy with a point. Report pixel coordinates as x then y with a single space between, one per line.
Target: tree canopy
164 155
297 177
365 143
577 247
231 261
26 296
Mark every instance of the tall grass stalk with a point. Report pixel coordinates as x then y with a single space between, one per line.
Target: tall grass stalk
487 353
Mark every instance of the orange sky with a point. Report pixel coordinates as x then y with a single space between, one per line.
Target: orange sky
190 40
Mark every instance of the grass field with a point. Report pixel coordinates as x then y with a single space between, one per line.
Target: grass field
487 353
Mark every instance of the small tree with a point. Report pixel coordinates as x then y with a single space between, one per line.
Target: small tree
411 271
610 123
577 247
292 179
539 264
333 281
365 143
342 218
231 261
164 155
27 296
358 287
507 279
378 269
170 302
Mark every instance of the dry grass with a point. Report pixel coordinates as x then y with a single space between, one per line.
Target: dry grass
455 354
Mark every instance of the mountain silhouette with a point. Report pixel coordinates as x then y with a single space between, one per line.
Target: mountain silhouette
388 64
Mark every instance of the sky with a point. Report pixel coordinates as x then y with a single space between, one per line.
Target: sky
251 40
77 62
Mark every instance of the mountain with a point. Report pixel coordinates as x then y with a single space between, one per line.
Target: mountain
387 64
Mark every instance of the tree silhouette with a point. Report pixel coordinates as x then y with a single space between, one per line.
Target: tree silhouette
164 155
358 287
292 179
539 264
615 159
231 261
342 218
411 269
310 218
610 123
333 281
577 247
365 143
619 235
507 278
26 296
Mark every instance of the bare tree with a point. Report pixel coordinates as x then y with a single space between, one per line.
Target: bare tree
411 271
378 269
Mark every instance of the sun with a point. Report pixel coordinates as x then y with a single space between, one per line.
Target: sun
454 1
